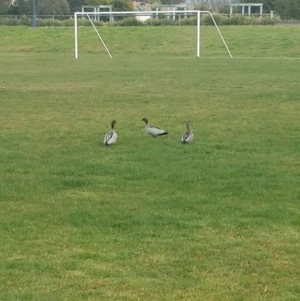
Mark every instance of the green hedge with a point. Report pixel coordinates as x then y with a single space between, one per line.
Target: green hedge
205 20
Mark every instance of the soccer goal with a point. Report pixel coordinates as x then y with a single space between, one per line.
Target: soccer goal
152 14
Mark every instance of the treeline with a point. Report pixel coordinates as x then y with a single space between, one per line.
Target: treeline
57 7
285 9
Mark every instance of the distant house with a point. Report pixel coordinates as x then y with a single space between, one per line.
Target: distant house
143 7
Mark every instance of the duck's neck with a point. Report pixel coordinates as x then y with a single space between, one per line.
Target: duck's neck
188 128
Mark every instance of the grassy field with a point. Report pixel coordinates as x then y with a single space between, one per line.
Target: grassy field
150 219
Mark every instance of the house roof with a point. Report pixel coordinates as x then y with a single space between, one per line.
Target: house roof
142 6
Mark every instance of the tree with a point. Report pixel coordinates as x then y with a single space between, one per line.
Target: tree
288 9
117 5
4 6
52 7
43 7
19 7
75 5
121 5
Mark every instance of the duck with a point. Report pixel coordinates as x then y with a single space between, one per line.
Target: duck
152 130
188 136
111 137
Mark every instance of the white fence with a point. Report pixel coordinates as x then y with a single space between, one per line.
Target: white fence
65 17
15 18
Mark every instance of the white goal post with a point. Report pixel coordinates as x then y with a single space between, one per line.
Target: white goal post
146 13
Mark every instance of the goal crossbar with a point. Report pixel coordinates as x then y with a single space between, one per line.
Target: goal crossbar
147 13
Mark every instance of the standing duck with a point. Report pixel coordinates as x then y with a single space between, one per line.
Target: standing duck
111 136
188 136
152 130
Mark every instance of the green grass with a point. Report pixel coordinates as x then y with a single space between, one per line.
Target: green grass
150 219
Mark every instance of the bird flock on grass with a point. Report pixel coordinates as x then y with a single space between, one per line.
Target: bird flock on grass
111 137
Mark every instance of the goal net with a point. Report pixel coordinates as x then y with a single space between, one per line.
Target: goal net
149 14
